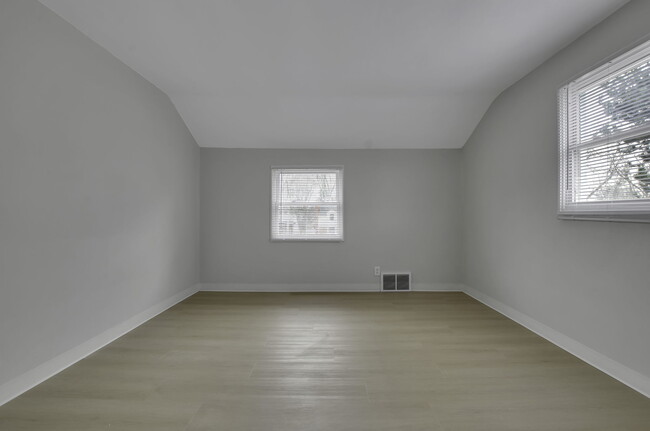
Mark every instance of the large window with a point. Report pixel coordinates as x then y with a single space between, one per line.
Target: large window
307 203
605 140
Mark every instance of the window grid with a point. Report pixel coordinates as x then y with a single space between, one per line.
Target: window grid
604 140
306 203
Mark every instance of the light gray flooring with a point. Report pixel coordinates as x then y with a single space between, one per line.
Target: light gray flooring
366 361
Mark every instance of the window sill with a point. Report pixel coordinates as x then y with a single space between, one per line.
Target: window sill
616 218
307 240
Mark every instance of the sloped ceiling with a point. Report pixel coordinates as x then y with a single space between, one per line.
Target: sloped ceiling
333 73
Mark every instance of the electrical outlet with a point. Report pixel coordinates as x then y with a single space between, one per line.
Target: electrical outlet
377 271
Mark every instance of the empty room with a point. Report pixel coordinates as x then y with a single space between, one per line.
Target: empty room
311 215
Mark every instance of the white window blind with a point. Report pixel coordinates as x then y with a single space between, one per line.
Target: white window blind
604 121
307 203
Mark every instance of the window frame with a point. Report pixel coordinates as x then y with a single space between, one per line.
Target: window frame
637 211
339 168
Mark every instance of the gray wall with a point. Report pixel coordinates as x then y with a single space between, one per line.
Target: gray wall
588 280
402 212
98 190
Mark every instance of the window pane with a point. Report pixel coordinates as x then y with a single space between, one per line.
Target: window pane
308 187
617 104
615 171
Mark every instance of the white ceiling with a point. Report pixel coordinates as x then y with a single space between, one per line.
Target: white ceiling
333 73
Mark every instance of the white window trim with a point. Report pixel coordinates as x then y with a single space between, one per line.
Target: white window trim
620 211
331 240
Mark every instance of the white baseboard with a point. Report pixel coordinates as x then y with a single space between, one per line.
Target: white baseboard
322 287
33 377
302 287
437 287
620 372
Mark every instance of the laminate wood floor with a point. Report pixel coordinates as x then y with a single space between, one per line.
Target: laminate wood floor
350 361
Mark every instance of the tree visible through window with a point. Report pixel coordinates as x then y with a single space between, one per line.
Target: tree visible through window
624 173
307 203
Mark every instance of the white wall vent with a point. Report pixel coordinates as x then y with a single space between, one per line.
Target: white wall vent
395 281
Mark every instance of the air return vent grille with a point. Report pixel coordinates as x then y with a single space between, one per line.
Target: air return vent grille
395 281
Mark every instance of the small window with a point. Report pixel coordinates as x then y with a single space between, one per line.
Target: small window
309 200
604 151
